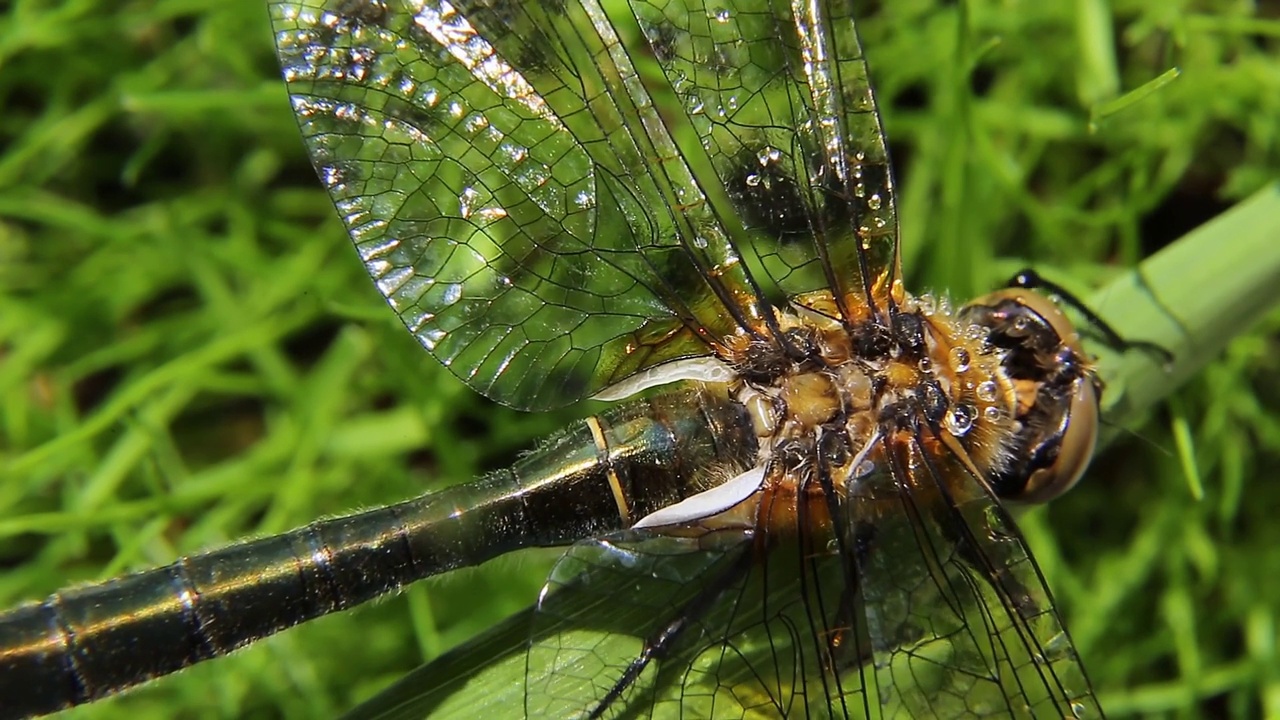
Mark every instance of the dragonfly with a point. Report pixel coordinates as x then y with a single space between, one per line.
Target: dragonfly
800 502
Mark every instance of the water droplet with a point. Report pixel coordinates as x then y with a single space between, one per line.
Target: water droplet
959 420
491 214
475 123
991 413
431 337
679 80
959 358
874 201
721 15
466 201
515 153
331 176
768 156
753 180
987 391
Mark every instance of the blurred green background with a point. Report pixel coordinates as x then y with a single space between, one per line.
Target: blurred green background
190 352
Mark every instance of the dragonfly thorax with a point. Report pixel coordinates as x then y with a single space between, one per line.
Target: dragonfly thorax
931 383
999 391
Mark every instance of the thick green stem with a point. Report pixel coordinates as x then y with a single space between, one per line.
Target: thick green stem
1191 298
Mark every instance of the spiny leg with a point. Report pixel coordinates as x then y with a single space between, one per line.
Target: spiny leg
659 644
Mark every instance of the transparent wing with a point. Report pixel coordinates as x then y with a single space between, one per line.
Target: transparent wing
512 190
532 185
960 620
929 607
784 114
707 633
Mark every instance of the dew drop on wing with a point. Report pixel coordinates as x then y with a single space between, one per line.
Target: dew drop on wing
1057 648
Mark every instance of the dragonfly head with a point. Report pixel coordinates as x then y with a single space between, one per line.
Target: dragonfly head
1058 393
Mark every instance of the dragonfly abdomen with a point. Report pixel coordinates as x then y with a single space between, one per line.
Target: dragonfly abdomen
85 643
632 461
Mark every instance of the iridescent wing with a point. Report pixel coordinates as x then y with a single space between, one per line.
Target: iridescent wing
962 623
929 607
778 96
512 191
711 632
550 209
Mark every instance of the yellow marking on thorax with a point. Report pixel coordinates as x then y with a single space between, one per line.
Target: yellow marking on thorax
900 375
811 399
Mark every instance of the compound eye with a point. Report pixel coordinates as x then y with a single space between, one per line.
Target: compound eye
1078 438
1037 304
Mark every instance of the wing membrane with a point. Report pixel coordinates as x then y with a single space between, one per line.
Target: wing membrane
929 607
511 190
743 643
779 96
964 626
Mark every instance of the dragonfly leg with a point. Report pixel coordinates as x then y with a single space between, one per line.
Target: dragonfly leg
659 644
845 633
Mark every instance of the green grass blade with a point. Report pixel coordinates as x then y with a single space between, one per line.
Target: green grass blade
1192 298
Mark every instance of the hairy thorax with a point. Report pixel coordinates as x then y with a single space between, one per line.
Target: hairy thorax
832 412
995 397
